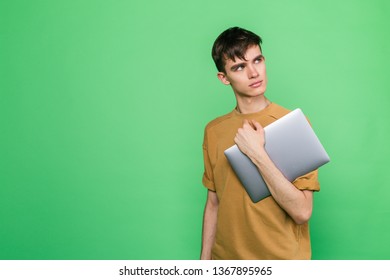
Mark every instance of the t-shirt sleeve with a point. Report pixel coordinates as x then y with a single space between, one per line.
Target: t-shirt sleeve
208 178
308 181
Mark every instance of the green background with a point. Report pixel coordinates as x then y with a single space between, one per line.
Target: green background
103 106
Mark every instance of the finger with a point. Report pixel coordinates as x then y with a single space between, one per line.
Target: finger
251 123
257 125
246 124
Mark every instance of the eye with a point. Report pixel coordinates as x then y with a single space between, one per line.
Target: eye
238 68
258 60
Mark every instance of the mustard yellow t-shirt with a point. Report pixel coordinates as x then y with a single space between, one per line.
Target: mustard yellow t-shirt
247 230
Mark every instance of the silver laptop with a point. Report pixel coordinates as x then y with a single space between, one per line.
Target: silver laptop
293 147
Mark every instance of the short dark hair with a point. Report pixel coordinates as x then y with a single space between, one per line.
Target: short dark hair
233 43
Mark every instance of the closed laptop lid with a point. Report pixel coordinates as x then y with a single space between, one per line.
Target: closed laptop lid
293 147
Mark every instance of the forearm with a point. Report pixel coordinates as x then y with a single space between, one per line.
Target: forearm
209 226
297 203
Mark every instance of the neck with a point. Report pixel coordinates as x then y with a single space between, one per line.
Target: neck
252 104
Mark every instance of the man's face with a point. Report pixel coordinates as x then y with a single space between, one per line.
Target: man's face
248 77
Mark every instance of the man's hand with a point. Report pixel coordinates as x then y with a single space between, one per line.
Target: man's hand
250 139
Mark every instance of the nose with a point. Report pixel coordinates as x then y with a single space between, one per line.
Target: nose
252 72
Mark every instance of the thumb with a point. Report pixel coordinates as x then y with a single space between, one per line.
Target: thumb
246 123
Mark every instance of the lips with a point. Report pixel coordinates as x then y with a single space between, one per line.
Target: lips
256 84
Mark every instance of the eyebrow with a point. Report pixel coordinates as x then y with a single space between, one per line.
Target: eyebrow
259 57
235 66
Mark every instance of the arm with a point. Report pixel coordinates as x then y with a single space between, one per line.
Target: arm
297 203
209 225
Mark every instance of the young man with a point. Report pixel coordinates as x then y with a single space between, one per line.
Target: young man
233 226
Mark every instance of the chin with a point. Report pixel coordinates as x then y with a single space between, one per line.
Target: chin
253 93
259 93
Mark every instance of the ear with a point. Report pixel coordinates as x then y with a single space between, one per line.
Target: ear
222 77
